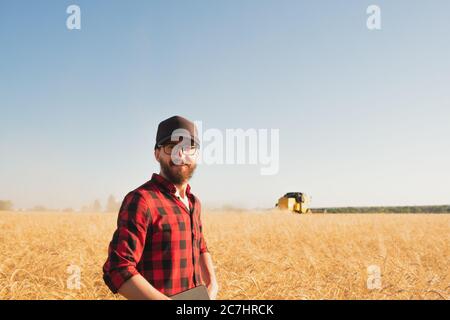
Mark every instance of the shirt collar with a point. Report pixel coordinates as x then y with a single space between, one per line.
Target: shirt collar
167 185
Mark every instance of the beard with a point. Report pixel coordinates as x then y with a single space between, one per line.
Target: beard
177 174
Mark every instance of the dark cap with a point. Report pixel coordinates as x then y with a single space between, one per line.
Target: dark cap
167 127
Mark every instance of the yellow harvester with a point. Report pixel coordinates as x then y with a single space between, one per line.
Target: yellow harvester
295 202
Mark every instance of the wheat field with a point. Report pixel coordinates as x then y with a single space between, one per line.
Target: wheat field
258 255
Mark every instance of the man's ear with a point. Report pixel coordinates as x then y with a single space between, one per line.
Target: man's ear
157 153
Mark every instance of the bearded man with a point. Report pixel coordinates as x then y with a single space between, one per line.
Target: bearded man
158 248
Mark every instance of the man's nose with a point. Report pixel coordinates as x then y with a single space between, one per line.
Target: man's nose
179 155
179 152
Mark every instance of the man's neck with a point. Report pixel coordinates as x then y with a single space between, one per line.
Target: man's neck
180 187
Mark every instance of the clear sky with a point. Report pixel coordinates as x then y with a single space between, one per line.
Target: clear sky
363 115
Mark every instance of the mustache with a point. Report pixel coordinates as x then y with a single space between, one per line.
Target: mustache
171 163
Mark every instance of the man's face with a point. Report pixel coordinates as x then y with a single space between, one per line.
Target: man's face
177 162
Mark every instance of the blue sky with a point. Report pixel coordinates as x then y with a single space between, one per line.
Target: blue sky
363 115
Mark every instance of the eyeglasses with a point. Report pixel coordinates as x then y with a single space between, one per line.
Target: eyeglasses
186 149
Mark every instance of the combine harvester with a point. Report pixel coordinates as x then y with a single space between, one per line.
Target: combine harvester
295 202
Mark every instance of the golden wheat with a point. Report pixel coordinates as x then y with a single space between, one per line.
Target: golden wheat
258 255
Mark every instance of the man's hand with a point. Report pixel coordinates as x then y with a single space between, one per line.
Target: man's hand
213 289
208 275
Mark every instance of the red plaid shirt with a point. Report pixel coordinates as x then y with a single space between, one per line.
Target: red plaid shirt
157 237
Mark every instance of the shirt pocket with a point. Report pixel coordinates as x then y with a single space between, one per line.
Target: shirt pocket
171 224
